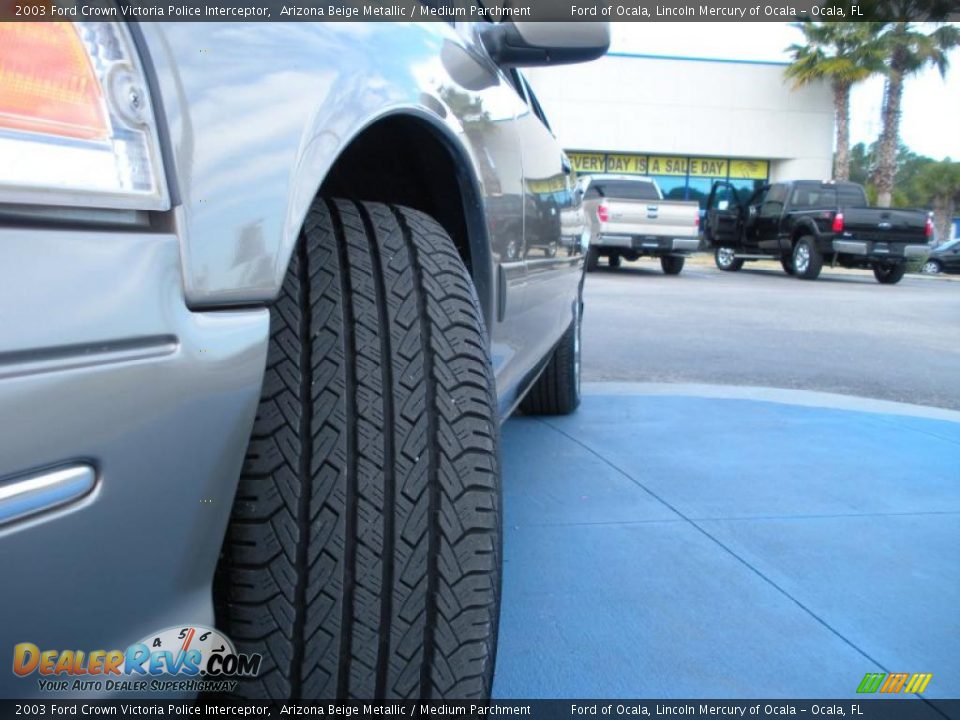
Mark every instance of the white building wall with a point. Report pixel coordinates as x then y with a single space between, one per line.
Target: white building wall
632 103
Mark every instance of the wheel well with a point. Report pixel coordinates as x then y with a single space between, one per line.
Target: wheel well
799 232
403 160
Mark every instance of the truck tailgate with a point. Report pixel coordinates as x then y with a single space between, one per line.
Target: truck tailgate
660 218
885 225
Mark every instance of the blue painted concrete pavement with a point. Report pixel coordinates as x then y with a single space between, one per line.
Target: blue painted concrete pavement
729 544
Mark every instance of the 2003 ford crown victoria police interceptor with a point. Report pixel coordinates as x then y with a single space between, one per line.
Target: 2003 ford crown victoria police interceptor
267 292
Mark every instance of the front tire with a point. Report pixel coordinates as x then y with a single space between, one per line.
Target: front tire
889 274
930 267
557 390
726 259
363 558
807 260
614 260
786 262
672 264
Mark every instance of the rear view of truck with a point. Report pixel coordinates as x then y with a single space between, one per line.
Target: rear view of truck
883 239
629 219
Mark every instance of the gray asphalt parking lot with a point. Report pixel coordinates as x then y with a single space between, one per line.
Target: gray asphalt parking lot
843 333
672 540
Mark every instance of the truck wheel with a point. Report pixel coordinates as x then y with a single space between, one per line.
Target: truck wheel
889 274
786 262
593 258
557 390
807 260
930 267
672 264
614 260
726 259
362 558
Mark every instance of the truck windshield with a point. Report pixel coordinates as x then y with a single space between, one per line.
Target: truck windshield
622 190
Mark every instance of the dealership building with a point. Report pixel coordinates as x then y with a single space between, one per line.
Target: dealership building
688 121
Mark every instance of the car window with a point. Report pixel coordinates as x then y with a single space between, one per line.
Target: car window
851 196
813 196
773 201
622 190
725 197
806 197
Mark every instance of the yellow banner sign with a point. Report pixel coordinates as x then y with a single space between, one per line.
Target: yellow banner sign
708 167
748 169
666 165
633 164
587 162
627 164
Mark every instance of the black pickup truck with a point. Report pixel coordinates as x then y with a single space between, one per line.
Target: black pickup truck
806 223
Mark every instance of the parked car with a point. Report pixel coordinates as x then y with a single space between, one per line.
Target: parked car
806 223
261 324
943 259
630 219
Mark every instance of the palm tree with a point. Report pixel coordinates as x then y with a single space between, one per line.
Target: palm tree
908 50
843 54
940 181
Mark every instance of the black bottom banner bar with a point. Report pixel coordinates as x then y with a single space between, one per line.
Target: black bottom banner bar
910 708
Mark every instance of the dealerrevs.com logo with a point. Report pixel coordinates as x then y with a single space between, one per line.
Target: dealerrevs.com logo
190 658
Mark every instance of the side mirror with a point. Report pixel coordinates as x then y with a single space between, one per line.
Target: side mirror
528 44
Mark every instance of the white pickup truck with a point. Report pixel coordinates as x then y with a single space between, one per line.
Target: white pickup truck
630 219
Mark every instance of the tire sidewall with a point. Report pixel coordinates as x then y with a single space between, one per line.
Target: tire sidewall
814 261
721 252
672 264
889 275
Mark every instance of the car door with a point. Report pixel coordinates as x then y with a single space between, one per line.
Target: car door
723 215
553 250
951 258
764 230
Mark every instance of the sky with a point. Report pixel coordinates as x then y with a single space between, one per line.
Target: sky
930 121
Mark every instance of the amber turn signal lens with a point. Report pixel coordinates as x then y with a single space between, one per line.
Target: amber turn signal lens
47 84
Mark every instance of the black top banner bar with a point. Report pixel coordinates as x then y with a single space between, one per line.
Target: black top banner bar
481 10
912 708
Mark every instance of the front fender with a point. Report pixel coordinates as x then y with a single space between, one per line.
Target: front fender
259 113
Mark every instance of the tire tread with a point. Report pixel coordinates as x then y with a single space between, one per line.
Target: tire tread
363 556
